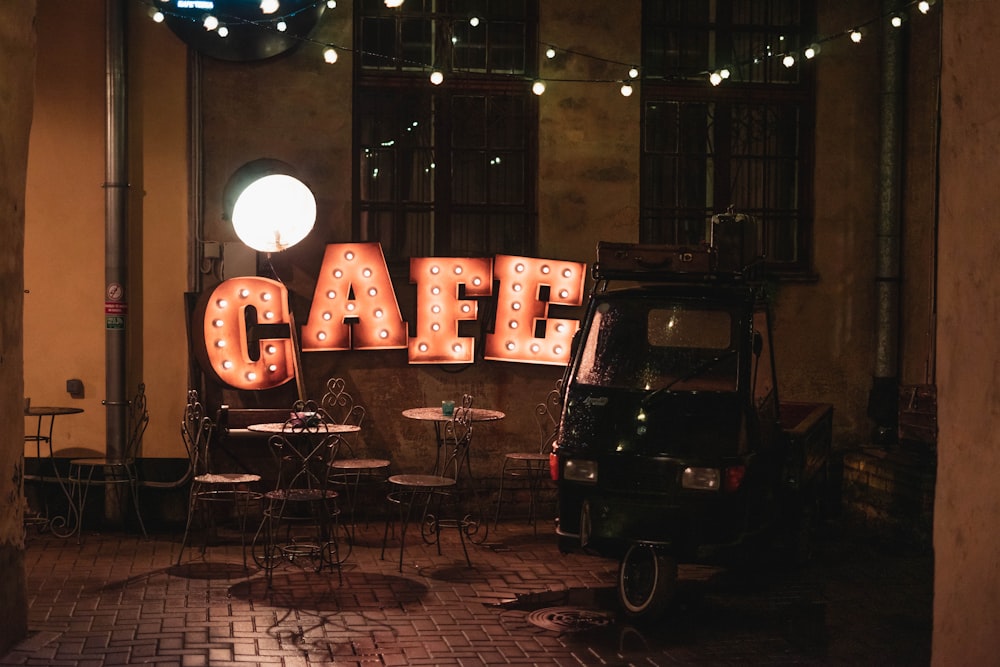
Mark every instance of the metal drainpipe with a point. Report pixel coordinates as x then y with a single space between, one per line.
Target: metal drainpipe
195 176
884 397
115 239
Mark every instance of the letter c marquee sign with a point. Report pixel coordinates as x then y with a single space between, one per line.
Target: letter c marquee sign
245 333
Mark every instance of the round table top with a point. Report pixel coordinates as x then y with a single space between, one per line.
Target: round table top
435 414
50 411
281 427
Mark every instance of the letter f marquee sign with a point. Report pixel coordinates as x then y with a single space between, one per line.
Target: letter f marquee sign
246 329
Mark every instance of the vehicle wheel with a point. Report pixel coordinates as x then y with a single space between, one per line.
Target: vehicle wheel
647 578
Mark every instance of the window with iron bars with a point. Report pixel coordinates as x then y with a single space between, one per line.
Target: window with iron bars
446 169
746 143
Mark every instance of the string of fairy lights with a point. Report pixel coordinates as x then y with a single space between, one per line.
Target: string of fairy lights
273 18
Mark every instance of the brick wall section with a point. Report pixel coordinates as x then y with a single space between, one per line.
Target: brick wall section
891 492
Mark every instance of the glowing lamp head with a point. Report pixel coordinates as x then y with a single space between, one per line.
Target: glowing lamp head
274 212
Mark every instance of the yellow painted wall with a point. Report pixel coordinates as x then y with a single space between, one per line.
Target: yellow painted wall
64 325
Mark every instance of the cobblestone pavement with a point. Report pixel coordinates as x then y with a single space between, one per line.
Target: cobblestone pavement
118 599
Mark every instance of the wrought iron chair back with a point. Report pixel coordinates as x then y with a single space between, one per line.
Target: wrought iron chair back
457 436
529 467
207 486
547 414
341 408
197 429
116 470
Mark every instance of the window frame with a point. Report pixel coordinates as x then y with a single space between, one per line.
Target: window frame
443 208
691 87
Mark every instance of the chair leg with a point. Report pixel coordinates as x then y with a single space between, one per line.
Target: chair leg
133 479
192 503
503 476
82 490
460 515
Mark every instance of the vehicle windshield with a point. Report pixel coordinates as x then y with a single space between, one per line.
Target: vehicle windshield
633 344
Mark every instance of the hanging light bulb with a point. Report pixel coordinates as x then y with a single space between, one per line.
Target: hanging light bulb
332 4
538 87
392 4
715 78
633 73
474 21
924 6
626 89
156 15
269 6
437 77
210 23
856 35
788 61
550 53
281 26
811 51
223 31
330 55
896 21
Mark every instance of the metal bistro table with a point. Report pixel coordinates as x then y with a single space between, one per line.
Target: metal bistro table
63 526
479 526
301 496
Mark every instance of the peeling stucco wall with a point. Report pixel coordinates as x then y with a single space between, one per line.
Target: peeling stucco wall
17 72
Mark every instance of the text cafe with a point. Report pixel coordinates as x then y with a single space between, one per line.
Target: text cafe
245 335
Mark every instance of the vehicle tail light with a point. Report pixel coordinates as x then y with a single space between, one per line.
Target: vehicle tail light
702 479
554 466
733 478
580 470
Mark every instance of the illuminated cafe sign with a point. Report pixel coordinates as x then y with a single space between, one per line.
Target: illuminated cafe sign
354 307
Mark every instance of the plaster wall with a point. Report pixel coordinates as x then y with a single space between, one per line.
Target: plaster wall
17 71
967 503
64 225
64 322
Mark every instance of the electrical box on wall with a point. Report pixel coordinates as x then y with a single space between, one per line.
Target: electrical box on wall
75 388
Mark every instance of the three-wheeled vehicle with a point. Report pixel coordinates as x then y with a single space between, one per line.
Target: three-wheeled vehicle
673 445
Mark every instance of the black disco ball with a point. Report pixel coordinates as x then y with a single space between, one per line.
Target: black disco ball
249 33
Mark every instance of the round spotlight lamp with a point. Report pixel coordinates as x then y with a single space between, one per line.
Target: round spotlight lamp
274 213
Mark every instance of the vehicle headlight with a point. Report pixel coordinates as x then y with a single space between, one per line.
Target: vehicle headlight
580 470
705 479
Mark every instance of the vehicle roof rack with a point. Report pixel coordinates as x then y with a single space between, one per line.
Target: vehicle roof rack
734 253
